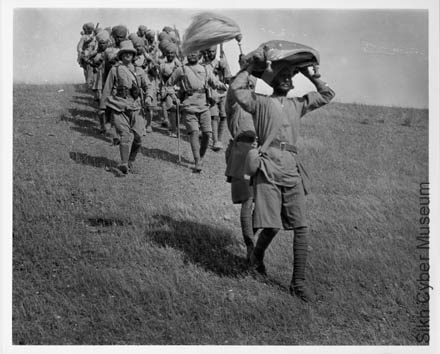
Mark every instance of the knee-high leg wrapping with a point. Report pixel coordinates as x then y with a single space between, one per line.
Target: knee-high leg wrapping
300 251
264 239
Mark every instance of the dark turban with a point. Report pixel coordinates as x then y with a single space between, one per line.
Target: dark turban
88 26
132 36
150 35
119 31
137 41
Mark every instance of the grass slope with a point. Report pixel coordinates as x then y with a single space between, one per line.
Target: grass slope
157 257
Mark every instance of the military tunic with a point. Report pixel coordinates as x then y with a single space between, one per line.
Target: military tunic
193 80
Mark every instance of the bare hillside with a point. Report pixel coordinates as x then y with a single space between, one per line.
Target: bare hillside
158 258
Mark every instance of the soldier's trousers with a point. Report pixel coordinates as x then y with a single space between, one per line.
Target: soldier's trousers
130 128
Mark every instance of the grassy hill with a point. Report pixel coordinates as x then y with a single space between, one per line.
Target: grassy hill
158 258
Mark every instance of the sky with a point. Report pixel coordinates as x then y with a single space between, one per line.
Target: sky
368 56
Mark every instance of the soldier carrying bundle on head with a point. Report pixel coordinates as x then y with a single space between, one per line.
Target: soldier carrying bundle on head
279 179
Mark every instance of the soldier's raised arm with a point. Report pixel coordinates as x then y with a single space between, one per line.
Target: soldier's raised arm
245 97
315 99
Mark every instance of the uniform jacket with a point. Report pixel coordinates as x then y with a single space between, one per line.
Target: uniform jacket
193 81
280 167
118 90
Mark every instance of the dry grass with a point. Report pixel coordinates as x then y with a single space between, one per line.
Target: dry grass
150 258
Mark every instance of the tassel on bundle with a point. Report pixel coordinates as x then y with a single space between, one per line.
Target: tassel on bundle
208 29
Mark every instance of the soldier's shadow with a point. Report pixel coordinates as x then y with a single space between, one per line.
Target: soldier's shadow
85 122
83 88
85 100
164 131
95 161
205 245
163 155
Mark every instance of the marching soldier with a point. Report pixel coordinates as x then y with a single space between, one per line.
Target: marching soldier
97 62
85 47
168 93
122 94
280 181
221 70
195 81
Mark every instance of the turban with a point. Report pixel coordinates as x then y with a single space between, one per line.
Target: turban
167 46
120 31
163 36
88 26
112 53
102 36
150 34
167 29
131 36
142 28
137 41
173 37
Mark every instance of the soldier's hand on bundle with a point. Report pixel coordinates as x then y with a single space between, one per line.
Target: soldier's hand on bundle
310 72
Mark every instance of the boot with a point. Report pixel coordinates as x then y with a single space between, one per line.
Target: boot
148 128
204 143
124 150
257 256
195 147
214 124
135 147
101 117
246 227
221 130
165 116
173 124
300 250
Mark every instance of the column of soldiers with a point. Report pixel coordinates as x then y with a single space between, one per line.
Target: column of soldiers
159 82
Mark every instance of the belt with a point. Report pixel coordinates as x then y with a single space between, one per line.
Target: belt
201 90
283 146
245 139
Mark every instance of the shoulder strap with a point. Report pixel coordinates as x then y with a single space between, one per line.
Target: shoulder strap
206 76
186 83
197 76
132 74
278 125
